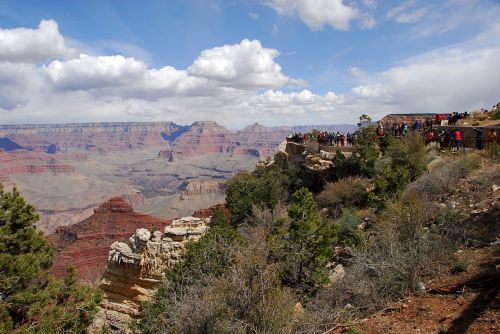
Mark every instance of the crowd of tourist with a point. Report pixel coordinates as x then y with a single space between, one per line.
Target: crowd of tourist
401 129
323 138
447 139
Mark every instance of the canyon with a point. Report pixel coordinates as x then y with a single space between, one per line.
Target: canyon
67 170
163 169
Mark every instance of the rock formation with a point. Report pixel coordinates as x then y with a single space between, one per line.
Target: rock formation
136 267
89 136
202 188
67 170
85 245
391 119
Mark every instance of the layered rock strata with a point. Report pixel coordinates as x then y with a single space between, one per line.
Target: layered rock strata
85 245
136 267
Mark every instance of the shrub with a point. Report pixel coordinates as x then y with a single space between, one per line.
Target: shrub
209 255
496 114
400 253
444 178
246 298
492 151
459 266
344 167
348 232
409 153
264 188
345 193
389 183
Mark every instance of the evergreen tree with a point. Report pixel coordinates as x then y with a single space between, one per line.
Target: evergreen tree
31 300
308 245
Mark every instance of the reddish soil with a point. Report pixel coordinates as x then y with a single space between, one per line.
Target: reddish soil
466 302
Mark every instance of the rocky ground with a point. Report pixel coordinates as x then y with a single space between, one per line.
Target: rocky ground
466 298
465 302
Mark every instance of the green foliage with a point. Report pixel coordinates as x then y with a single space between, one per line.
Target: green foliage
459 266
264 188
404 161
31 301
364 121
209 255
365 150
410 152
352 330
308 245
344 167
385 142
496 114
349 233
246 298
389 183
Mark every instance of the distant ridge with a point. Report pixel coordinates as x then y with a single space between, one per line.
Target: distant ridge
8 145
296 128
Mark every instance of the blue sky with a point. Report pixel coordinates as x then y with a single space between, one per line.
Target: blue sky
306 61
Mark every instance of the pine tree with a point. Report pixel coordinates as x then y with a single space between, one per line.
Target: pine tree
32 301
310 242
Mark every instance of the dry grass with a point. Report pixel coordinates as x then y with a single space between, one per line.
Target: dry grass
345 193
444 178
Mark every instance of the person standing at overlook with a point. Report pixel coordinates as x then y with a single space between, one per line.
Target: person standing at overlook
492 137
479 138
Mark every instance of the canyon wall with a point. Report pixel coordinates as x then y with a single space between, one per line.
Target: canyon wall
90 136
67 170
85 245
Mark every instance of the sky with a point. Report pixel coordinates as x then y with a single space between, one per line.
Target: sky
237 62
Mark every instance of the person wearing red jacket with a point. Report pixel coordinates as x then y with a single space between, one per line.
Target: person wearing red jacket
458 139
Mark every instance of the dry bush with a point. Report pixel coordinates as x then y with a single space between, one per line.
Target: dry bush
444 178
492 151
253 291
247 298
402 252
345 193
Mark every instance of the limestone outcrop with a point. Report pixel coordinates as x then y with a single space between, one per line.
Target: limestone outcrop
136 267
85 245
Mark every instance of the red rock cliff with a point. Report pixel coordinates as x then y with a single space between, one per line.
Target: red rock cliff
86 244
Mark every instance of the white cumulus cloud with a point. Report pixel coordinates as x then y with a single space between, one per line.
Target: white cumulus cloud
89 72
317 13
33 45
243 65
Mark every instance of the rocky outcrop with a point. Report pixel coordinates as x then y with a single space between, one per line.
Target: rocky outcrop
201 188
85 245
410 119
136 267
